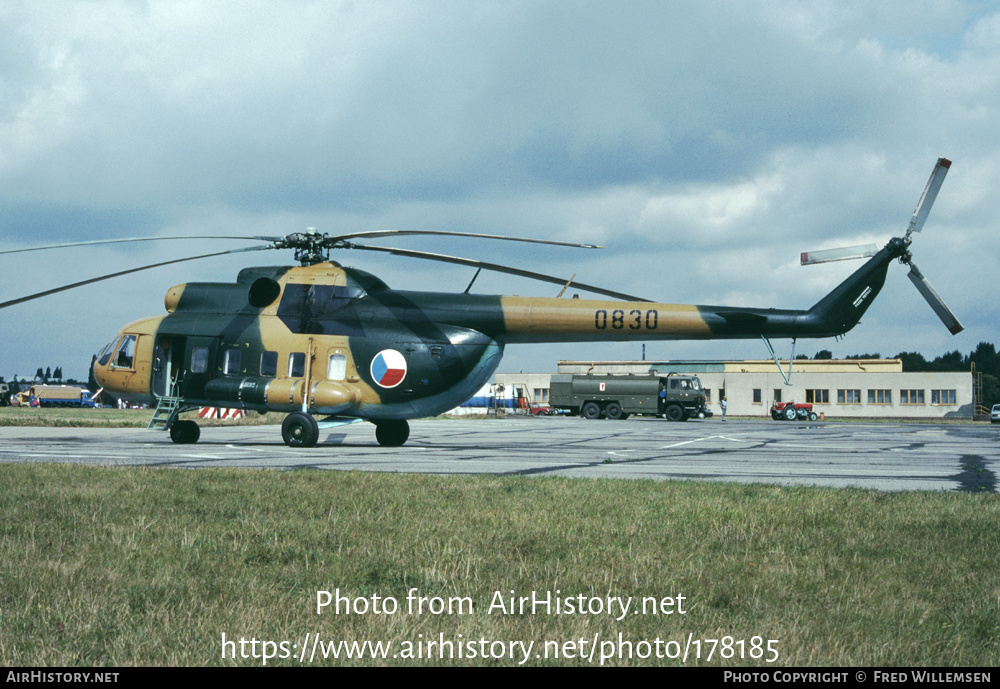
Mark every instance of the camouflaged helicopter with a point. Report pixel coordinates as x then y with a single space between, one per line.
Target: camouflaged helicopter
323 339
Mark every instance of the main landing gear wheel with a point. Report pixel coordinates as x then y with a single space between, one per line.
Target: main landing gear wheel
185 432
299 430
392 433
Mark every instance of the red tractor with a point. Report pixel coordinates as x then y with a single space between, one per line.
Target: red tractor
789 411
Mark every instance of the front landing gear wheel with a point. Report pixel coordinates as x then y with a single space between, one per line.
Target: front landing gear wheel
185 432
392 433
299 430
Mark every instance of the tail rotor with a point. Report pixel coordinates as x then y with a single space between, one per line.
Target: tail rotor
900 247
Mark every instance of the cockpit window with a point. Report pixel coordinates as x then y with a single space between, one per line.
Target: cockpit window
105 356
125 356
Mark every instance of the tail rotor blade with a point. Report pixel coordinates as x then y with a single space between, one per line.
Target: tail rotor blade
930 193
840 254
935 300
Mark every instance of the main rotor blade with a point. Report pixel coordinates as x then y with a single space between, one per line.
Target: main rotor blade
388 233
930 193
498 268
133 239
809 258
64 288
936 302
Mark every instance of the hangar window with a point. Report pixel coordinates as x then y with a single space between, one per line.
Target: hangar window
880 397
942 397
848 397
817 397
777 395
756 395
296 365
231 361
269 364
911 396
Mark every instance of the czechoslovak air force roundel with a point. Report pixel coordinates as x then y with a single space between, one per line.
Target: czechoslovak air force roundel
388 368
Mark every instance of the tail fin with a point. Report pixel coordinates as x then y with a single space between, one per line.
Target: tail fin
843 308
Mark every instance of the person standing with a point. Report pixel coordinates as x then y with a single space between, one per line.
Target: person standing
723 404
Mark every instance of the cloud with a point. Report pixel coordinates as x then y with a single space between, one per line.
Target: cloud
708 141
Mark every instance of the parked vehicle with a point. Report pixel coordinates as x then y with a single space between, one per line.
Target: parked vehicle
995 414
790 411
677 398
53 396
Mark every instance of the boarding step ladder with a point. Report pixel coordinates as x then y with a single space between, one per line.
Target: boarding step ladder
167 410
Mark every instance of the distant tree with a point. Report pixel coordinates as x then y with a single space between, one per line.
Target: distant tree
823 354
39 374
991 391
876 355
912 361
58 373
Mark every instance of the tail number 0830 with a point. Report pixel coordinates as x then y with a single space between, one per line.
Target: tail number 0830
621 319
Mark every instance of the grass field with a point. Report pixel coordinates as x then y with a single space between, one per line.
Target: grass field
118 566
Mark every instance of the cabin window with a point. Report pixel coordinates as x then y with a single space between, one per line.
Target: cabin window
231 361
296 365
269 364
125 355
337 370
199 360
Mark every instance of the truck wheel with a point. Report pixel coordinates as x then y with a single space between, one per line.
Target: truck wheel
590 411
613 411
675 412
790 413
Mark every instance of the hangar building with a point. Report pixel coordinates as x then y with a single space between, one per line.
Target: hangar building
837 387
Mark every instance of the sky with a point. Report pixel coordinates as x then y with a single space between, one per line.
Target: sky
703 144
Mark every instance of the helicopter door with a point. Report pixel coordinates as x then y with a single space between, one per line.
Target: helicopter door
168 363
198 366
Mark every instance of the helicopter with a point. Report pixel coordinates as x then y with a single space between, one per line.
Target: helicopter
322 339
